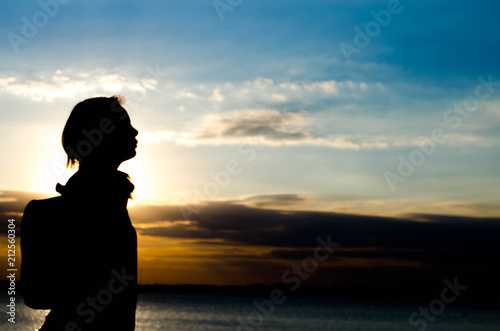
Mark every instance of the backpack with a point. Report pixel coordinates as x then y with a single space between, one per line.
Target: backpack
42 264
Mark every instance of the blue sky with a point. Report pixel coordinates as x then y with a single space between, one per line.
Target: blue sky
217 84
288 56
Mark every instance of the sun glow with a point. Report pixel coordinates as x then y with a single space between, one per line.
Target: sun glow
140 175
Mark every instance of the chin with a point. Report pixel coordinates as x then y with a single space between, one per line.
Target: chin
130 155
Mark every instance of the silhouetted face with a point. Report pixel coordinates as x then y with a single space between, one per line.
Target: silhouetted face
122 142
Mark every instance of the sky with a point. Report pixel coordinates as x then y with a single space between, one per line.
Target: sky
267 124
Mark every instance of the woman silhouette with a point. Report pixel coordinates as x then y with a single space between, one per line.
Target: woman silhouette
95 287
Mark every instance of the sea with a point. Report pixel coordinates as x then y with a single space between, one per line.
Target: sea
192 312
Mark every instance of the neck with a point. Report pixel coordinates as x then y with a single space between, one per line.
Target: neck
99 166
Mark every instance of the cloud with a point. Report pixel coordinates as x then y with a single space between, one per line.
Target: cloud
251 123
274 200
270 127
242 224
247 238
327 112
46 87
263 127
373 248
262 90
12 204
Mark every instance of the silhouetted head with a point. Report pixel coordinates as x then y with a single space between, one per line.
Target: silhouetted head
99 132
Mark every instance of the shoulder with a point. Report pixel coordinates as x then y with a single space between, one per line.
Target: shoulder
44 202
42 206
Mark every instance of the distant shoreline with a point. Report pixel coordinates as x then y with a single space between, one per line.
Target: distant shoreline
403 291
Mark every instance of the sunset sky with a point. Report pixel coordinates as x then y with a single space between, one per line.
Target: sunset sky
267 124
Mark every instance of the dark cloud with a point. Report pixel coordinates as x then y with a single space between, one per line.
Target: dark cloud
273 200
15 201
275 228
12 204
264 124
256 129
245 225
149 214
418 246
